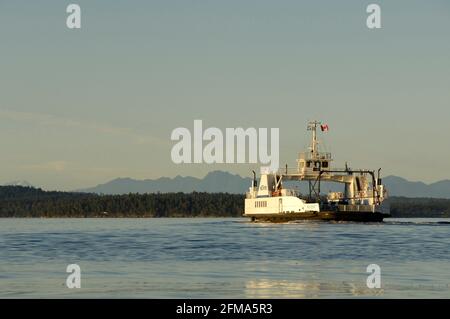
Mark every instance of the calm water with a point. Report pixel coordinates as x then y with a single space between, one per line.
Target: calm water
223 258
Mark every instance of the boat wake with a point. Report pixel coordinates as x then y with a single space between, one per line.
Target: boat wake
426 222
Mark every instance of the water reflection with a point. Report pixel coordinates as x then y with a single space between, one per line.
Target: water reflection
269 288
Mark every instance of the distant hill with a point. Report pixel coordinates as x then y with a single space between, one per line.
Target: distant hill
224 182
213 182
18 183
29 193
398 186
20 201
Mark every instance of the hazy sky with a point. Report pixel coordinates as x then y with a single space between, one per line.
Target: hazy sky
81 107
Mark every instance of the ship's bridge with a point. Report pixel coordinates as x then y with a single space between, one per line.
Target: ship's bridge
313 162
310 163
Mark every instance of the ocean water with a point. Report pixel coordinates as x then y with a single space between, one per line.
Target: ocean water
223 258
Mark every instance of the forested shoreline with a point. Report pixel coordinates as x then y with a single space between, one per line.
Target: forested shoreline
19 201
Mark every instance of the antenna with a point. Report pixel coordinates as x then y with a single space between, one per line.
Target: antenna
312 126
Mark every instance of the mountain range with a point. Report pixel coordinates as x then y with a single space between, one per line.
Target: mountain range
220 181
213 182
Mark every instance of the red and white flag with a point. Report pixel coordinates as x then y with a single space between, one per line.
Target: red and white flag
324 127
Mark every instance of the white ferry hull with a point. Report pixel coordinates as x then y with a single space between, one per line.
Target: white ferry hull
290 208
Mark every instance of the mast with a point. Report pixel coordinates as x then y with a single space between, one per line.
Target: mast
312 126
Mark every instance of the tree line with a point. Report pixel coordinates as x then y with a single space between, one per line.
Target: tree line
19 201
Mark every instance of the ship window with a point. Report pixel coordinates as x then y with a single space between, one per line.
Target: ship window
260 204
358 184
308 164
324 164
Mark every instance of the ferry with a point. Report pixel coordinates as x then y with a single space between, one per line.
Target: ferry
363 198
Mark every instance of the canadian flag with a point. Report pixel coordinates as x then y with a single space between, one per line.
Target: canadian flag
324 127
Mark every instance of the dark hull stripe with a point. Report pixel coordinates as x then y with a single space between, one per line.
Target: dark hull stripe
325 215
